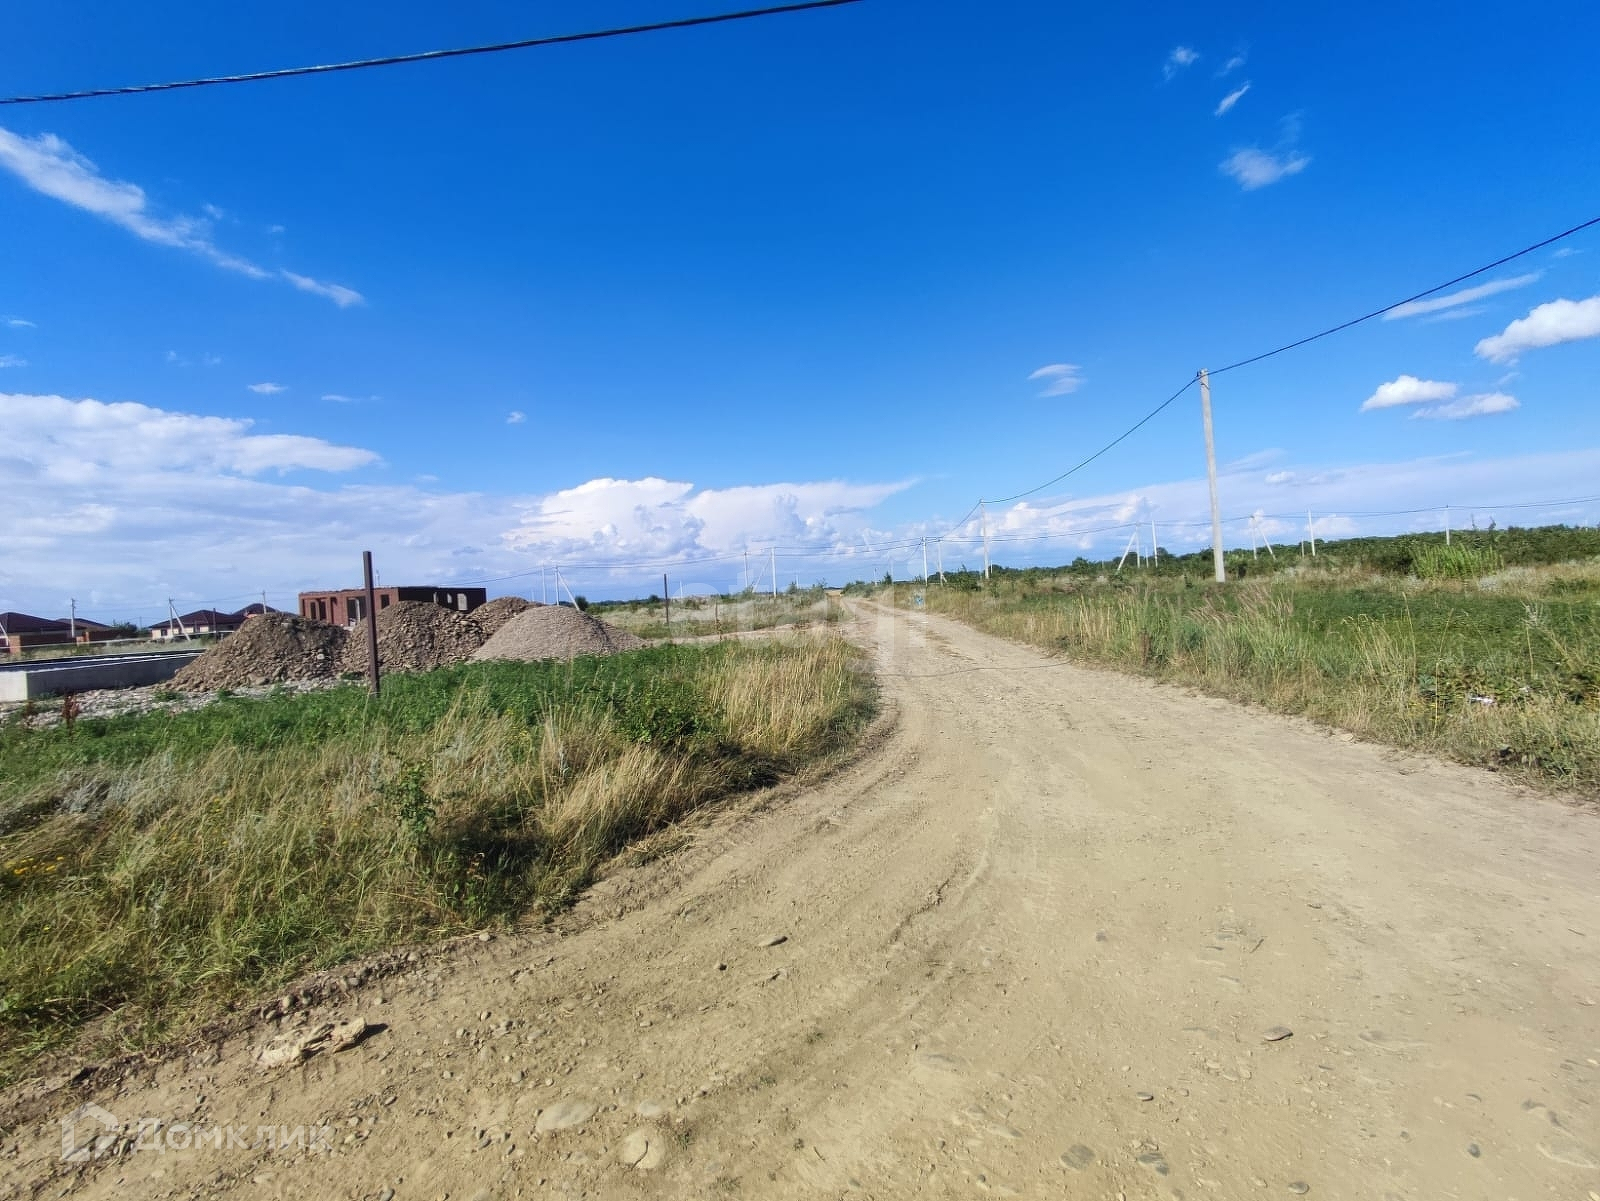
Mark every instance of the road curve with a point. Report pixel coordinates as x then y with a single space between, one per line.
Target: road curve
1044 940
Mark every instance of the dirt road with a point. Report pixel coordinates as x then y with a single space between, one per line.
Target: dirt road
1043 940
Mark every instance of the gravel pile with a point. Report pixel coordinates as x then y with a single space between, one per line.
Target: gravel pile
268 649
556 632
490 617
415 636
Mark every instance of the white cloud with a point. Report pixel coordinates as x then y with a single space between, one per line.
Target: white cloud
129 503
267 389
1059 379
340 295
1181 57
1435 304
1232 98
1232 65
19 323
341 399
1470 406
1407 390
1255 168
1548 325
516 417
11 360
275 230
51 167
1471 310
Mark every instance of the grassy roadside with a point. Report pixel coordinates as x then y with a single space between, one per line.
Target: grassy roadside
155 868
1500 671
704 616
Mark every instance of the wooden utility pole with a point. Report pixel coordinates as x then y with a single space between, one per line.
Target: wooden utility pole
985 518
373 675
1211 477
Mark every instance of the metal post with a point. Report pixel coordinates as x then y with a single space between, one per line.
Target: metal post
1211 477
373 674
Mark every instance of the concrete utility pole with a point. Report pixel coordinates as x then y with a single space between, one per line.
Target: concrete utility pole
984 513
774 552
72 619
1211 477
924 562
1311 532
372 623
1155 555
1447 525
666 603
938 547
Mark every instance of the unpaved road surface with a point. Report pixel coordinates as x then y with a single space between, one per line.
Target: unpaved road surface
1033 944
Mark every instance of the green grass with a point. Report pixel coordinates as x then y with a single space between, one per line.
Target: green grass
1501 671
155 868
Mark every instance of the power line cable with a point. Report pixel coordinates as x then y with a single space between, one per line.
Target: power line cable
1460 279
392 60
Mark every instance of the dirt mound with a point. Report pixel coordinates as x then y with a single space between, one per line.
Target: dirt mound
415 636
556 632
268 649
492 616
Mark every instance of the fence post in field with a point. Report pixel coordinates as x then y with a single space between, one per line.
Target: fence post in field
372 622
1211 478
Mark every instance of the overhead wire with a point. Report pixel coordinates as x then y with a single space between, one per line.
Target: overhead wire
391 60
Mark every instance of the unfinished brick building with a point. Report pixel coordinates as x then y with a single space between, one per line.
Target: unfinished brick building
347 606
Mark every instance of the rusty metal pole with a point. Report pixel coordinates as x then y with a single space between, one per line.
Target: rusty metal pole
372 623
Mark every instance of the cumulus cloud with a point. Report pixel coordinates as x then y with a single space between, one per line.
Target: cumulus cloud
1407 390
267 389
1232 98
1181 57
1058 379
1481 405
51 167
516 417
11 360
128 503
1548 325
1434 304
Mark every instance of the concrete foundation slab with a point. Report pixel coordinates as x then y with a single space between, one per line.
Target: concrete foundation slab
52 677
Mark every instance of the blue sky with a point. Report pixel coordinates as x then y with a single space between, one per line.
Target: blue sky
791 282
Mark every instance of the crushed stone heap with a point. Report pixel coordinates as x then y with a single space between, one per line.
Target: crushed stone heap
415 636
268 649
556 632
493 615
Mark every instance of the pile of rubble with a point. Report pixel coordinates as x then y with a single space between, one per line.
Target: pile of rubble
269 648
556 632
415 636
491 616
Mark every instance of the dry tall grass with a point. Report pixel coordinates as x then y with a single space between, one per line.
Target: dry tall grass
1518 692
147 894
